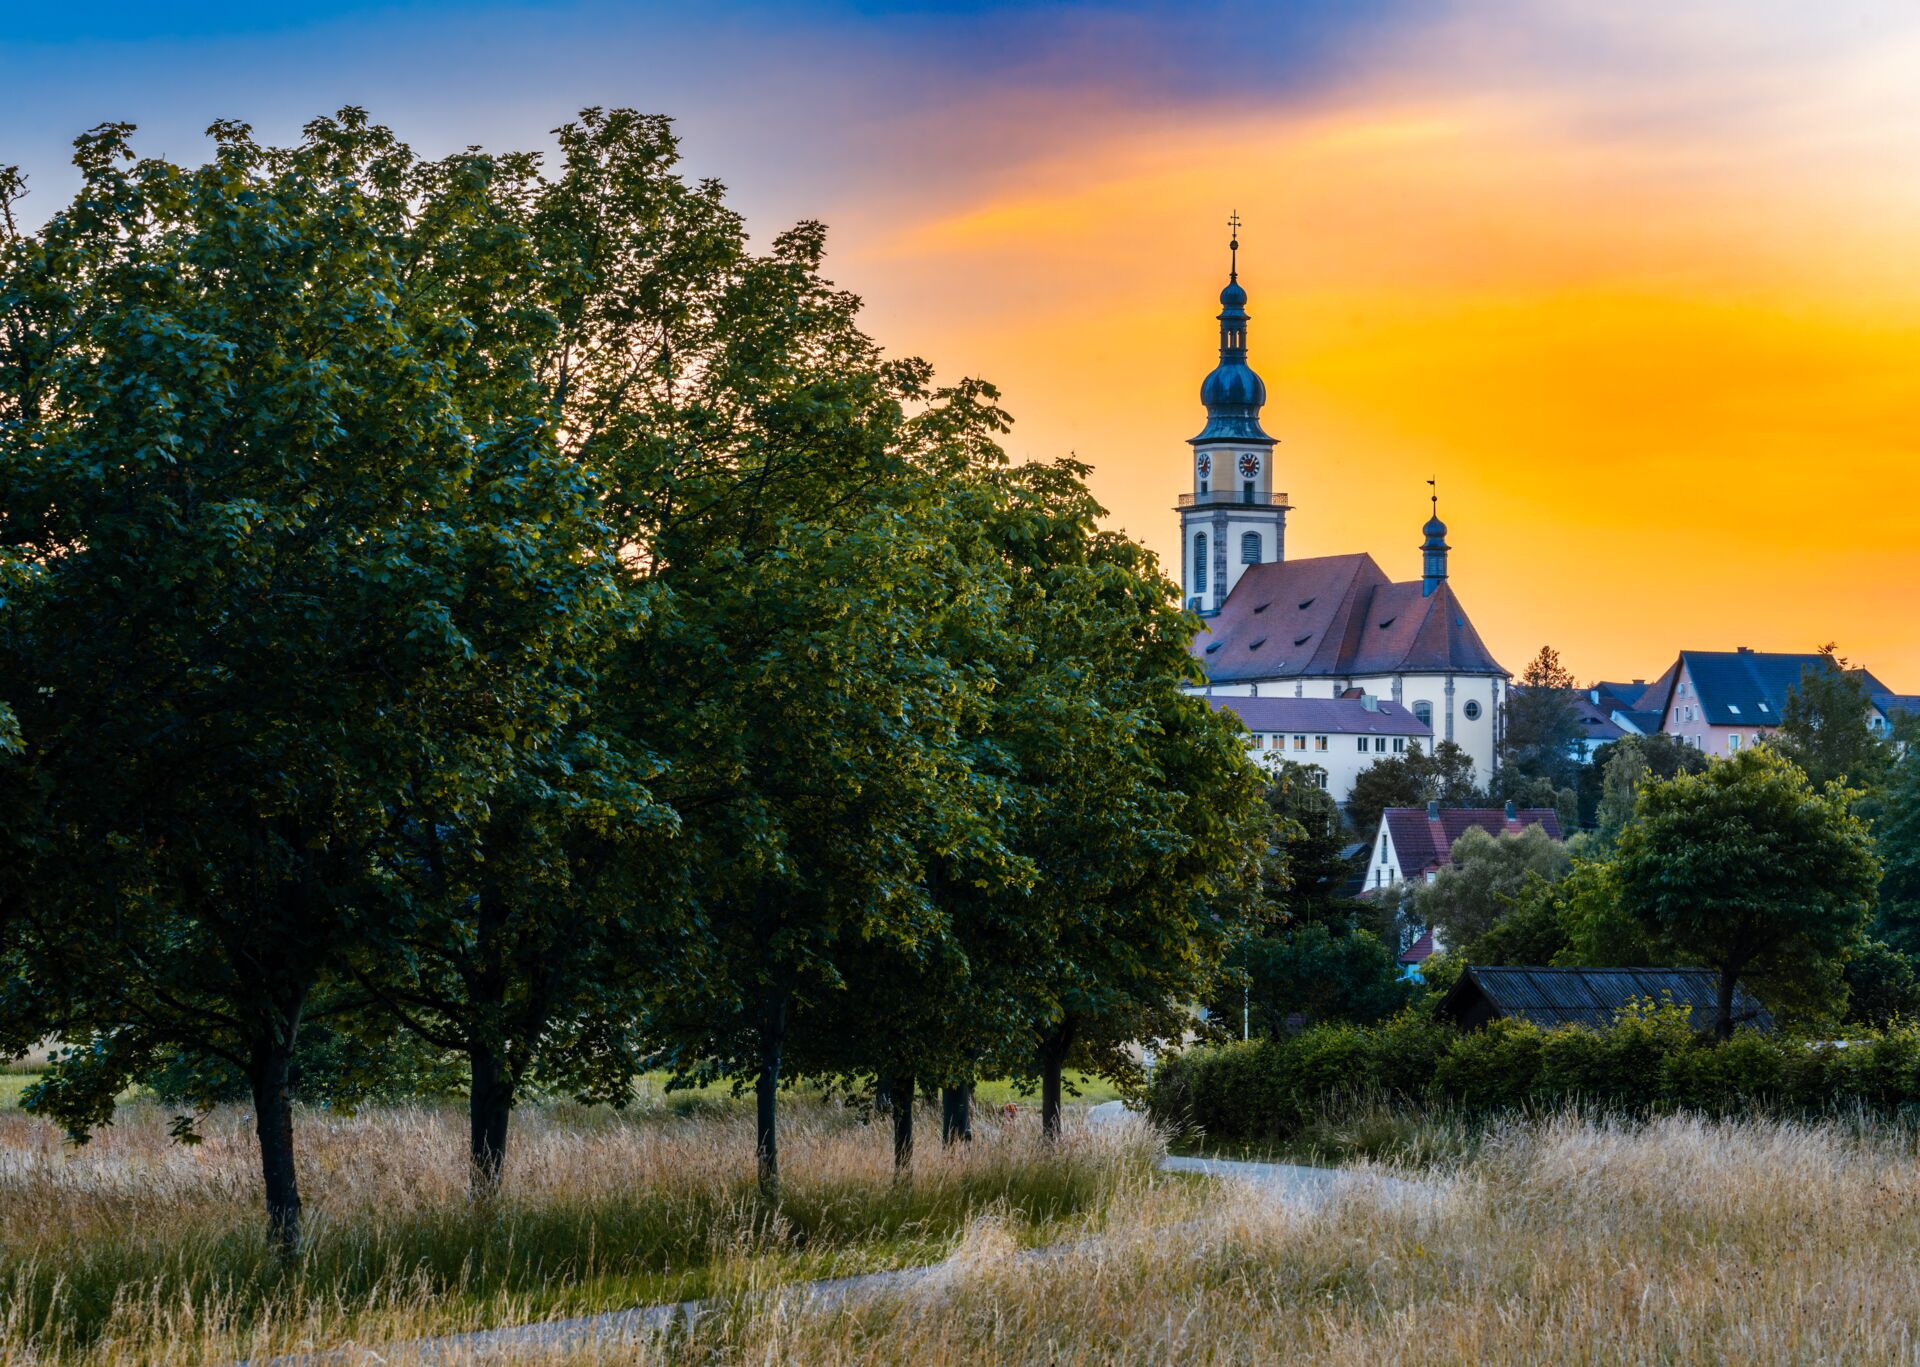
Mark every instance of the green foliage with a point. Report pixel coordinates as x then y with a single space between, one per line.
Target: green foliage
1412 780
1529 931
1897 837
1748 869
1320 972
1487 875
1543 738
1883 986
1651 1059
1823 727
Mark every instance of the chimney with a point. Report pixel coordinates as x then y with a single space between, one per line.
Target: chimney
1433 810
1511 813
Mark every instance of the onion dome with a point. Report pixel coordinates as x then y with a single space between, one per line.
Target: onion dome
1232 392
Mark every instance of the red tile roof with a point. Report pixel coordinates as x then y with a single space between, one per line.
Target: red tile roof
1337 615
1419 951
1422 843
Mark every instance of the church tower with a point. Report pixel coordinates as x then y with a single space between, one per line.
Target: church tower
1233 518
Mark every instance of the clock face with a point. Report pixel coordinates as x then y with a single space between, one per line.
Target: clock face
1206 463
1249 465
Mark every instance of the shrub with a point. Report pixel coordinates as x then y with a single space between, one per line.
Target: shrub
1649 1060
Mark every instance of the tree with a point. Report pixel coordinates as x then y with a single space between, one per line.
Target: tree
1487 873
1528 931
1543 737
1750 870
1898 839
314 556
1412 780
1883 986
1823 727
1322 974
1626 766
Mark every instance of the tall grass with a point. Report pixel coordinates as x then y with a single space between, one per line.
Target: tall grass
1569 1239
135 1249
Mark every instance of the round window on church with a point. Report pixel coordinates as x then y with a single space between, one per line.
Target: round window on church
1472 709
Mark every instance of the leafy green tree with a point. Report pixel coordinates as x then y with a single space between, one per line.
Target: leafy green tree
1528 930
1750 870
1823 727
1464 900
1323 974
1883 986
1626 766
1412 780
1543 737
1897 837
316 558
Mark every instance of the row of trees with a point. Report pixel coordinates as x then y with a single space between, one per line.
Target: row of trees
504 607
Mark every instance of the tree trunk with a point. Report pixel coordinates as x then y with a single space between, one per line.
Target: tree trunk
956 1114
766 1088
489 1108
273 1122
1053 1062
902 1090
1723 1025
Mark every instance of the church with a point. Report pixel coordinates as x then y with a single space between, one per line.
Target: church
1330 626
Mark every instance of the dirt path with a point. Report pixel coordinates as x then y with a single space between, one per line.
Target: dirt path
1289 1183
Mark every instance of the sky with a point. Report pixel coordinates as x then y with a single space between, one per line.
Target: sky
1637 283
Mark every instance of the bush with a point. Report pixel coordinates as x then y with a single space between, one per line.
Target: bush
1649 1060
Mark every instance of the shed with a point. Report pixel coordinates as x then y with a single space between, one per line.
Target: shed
1589 996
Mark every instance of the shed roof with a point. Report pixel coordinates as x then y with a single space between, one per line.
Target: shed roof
1594 996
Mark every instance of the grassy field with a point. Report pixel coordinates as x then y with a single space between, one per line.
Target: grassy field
1560 1241
1555 1239
133 1249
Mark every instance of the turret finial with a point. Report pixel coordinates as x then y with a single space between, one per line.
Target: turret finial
1233 245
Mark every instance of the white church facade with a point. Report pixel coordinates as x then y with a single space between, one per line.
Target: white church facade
1329 625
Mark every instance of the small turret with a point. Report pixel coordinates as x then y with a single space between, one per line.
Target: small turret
1433 552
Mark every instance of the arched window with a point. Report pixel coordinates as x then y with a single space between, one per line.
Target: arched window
1249 548
1423 712
1200 563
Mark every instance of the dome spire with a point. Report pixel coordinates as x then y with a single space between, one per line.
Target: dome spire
1232 393
1433 551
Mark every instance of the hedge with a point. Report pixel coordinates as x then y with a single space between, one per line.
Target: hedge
1649 1060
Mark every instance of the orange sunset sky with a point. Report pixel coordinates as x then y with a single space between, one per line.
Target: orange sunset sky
1639 284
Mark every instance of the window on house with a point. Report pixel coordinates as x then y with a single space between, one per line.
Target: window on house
1320 743
1423 710
1380 744
1259 741
1733 743
1734 708
1250 548
1200 563
1399 745
1299 742
1363 745
1320 777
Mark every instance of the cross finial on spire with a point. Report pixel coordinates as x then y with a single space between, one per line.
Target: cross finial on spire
1233 246
1433 485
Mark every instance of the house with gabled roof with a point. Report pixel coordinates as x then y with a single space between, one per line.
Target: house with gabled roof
1414 843
1722 701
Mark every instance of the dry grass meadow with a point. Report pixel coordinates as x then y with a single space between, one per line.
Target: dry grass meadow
1563 1240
